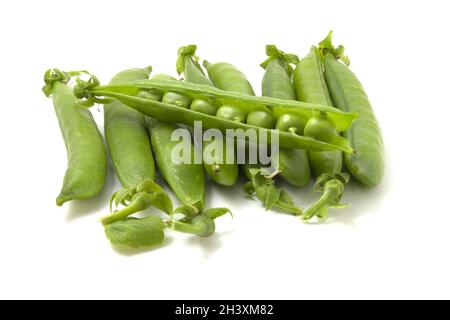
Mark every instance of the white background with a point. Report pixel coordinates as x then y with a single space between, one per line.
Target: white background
392 243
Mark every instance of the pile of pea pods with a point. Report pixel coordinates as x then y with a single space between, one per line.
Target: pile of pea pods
316 106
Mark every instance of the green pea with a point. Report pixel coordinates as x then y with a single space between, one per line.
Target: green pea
321 128
149 95
277 83
233 113
203 106
310 86
222 173
290 122
261 118
176 99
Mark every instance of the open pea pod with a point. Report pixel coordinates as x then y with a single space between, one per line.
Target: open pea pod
277 107
174 114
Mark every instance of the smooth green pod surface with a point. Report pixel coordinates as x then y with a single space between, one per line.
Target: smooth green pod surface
367 163
187 180
225 76
86 168
127 137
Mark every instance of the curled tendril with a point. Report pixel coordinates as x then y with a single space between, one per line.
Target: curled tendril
326 46
286 58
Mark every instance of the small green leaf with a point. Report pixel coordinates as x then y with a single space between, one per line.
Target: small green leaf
163 202
136 233
268 194
215 213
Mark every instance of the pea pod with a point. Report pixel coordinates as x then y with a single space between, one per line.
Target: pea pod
131 155
311 87
367 163
174 114
187 181
293 163
227 77
217 167
243 101
86 168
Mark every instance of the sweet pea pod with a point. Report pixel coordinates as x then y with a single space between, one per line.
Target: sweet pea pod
293 163
131 155
366 164
86 169
186 179
215 164
311 87
174 114
242 101
227 77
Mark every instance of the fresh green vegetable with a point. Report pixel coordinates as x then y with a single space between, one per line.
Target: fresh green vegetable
366 164
291 123
232 113
131 155
86 169
126 137
261 119
332 187
170 113
227 77
218 169
265 190
218 97
176 99
310 87
293 165
136 233
187 180
201 224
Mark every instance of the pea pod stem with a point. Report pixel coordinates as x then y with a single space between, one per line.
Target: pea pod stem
140 202
343 120
332 188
